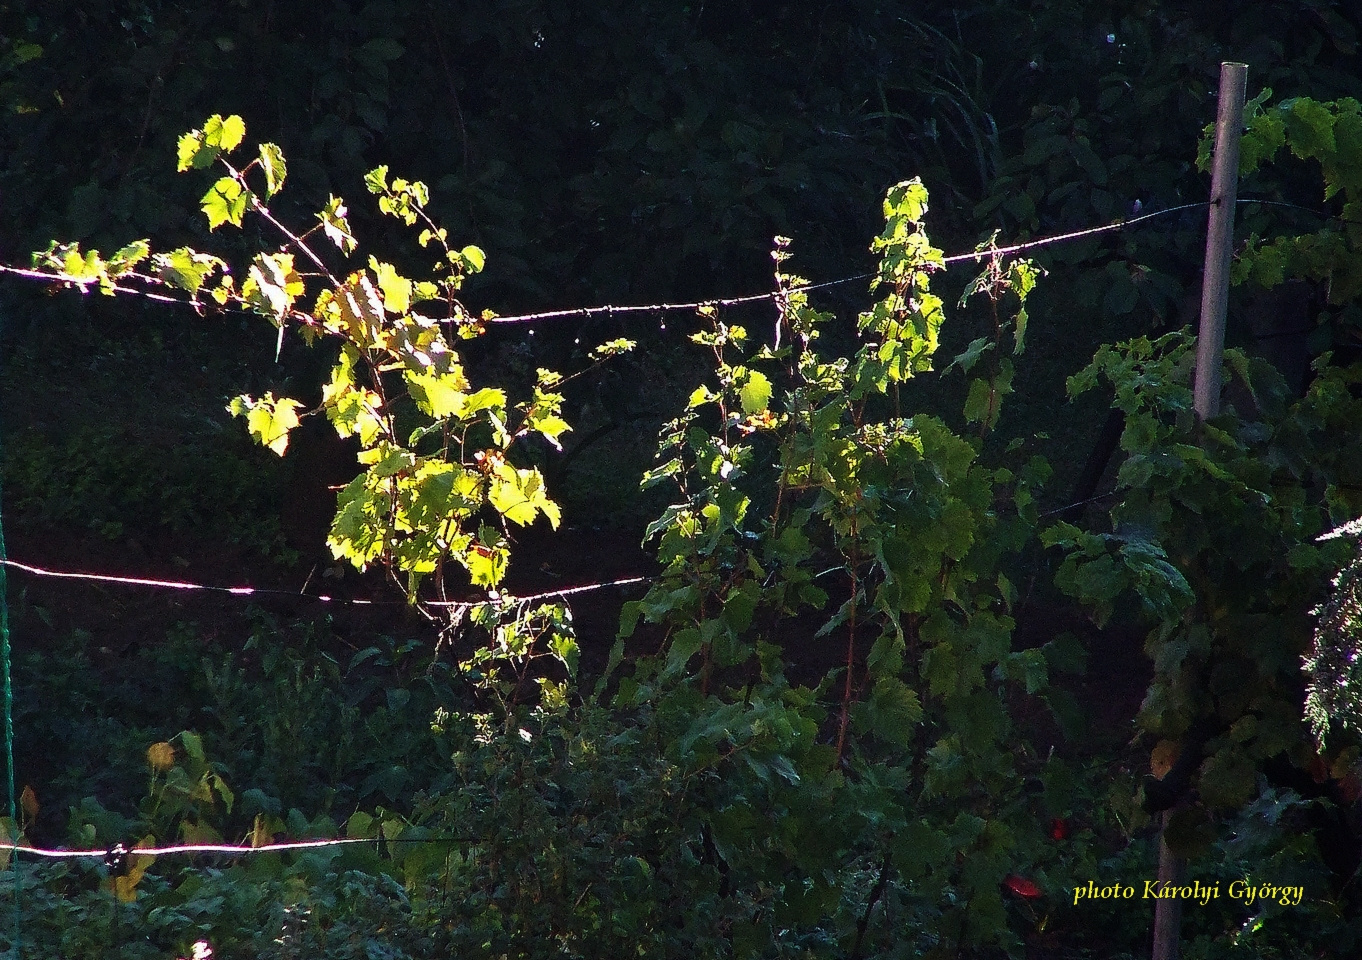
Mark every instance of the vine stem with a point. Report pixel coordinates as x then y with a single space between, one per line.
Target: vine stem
876 892
848 689
240 177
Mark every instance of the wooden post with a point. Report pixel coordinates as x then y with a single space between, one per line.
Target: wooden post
1168 912
1210 348
1215 285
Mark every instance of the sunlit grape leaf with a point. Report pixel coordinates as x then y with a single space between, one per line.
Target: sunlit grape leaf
376 180
224 134
358 530
224 203
127 257
439 395
193 153
551 428
272 285
78 266
268 420
361 308
186 269
396 288
474 257
755 393
275 169
486 564
335 225
509 498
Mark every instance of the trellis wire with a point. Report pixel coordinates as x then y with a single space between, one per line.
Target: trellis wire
655 308
609 310
494 596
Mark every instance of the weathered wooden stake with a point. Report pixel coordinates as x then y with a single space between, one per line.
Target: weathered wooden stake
1210 348
1168 913
1215 285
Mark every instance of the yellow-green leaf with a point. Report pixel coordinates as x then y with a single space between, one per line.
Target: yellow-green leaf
224 203
268 420
439 395
335 226
273 165
396 288
185 268
226 134
755 393
272 285
474 257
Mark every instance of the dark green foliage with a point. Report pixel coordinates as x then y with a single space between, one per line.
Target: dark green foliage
813 739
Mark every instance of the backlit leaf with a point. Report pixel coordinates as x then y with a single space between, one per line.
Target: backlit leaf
275 169
224 203
268 420
755 393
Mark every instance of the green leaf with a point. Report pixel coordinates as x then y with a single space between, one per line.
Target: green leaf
376 180
521 496
193 746
474 257
335 226
492 399
274 167
273 285
685 644
550 428
186 269
396 288
755 393
893 711
486 565
225 203
966 361
439 395
1309 127
127 257
226 134
907 200
699 396
357 532
268 420
981 403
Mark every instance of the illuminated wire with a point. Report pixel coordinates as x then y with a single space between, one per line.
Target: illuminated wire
611 310
180 848
274 591
565 592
